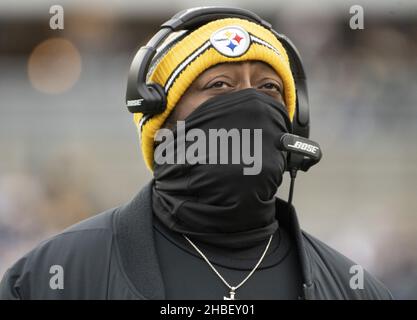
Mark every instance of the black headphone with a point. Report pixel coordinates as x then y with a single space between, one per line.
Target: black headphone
150 98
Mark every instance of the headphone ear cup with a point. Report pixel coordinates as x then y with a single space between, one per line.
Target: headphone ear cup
159 96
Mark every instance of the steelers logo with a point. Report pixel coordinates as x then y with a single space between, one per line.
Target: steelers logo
231 41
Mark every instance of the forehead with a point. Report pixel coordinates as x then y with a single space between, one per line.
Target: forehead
254 66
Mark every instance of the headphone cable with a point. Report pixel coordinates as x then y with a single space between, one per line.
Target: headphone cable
293 175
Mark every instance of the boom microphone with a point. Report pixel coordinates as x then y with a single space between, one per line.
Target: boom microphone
300 148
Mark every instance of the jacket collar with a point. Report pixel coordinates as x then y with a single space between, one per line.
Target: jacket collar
136 245
133 228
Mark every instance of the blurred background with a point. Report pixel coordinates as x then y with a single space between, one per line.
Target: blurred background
69 148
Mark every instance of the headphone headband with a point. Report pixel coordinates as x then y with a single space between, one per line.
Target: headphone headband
150 99
195 17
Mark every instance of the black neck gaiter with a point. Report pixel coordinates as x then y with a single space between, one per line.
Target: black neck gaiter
223 194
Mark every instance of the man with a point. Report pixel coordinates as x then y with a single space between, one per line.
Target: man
208 226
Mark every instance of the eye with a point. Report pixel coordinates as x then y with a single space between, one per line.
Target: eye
272 86
218 84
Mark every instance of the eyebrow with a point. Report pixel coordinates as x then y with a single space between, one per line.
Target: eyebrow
275 78
220 75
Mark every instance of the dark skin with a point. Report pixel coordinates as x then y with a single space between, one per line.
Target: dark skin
224 78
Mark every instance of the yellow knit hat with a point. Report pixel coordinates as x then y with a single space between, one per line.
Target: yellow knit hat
223 40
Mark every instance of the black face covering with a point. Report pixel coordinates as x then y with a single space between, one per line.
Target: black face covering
218 203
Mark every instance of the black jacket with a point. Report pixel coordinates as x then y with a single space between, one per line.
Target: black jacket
112 256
